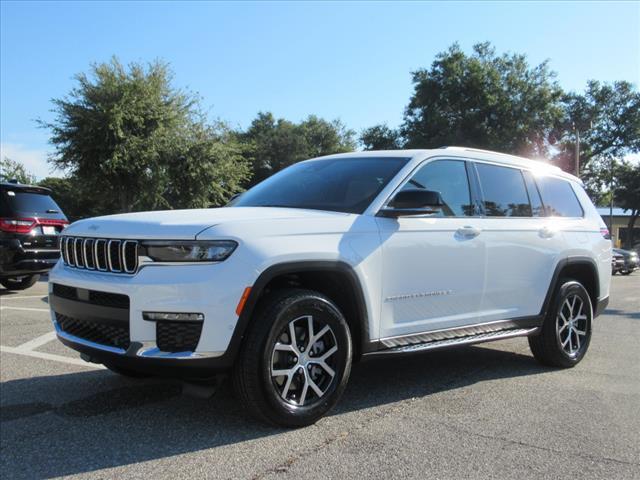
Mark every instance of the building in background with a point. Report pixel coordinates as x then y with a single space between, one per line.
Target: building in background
619 228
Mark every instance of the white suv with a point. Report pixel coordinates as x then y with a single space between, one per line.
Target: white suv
333 260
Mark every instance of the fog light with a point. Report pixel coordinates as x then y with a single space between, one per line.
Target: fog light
174 317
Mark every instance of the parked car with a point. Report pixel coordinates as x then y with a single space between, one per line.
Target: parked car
626 261
30 224
334 260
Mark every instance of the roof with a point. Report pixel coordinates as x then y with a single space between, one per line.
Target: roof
541 165
617 212
24 186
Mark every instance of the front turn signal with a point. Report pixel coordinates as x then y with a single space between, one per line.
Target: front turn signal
243 300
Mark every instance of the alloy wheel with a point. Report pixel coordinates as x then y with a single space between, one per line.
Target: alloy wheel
572 324
303 361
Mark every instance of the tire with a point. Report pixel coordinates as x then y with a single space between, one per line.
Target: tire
125 372
625 272
564 344
306 390
19 283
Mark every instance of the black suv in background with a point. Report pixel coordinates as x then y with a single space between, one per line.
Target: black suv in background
30 222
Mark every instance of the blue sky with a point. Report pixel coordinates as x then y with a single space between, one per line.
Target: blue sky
346 60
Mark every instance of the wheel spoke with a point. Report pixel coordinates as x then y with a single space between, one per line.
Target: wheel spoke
282 372
579 313
303 395
287 386
315 387
328 353
327 369
577 340
573 304
563 327
292 335
310 328
284 347
319 335
582 333
567 340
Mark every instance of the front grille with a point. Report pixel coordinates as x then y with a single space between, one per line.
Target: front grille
101 333
106 299
104 255
178 336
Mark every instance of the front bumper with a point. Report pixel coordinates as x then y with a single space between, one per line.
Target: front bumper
213 290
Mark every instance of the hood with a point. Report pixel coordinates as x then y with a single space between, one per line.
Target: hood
181 224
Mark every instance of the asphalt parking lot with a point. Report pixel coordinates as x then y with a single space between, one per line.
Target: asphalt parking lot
486 411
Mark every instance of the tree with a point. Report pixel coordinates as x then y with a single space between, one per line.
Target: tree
483 100
275 144
129 136
14 170
607 119
627 196
380 137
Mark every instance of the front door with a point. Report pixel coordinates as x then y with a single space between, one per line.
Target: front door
433 265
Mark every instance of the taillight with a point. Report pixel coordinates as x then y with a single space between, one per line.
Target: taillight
24 225
17 225
604 231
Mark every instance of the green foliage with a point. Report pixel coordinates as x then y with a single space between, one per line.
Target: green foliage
130 137
483 100
275 144
75 199
380 137
607 117
12 169
627 193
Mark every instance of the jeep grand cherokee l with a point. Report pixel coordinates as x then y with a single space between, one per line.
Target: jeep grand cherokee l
336 259
30 222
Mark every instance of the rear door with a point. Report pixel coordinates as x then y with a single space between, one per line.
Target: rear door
522 244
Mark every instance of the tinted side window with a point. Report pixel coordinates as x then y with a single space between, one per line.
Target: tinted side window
449 177
534 194
559 198
503 191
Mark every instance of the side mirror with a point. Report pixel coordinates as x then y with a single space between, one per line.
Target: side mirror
413 202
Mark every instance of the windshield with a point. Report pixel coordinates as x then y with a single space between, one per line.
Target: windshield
339 184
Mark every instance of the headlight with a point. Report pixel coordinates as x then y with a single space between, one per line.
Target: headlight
188 251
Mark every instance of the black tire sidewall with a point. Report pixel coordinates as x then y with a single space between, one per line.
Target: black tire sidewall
326 312
26 282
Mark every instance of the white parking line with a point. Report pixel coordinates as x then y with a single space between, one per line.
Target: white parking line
50 356
25 308
23 296
37 342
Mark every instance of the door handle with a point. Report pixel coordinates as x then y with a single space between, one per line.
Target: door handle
468 232
546 232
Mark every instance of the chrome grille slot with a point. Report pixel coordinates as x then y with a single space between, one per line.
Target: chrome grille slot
77 252
100 252
115 256
129 256
87 250
104 255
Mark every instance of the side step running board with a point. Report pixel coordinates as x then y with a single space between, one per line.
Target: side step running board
458 341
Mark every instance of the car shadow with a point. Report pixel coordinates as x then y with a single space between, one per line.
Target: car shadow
622 313
117 421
